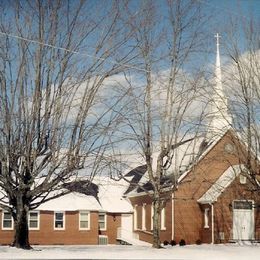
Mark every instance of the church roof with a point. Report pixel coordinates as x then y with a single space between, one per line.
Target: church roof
184 156
104 194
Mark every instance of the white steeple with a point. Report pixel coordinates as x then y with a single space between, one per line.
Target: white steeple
220 119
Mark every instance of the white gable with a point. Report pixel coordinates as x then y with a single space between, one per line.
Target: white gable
221 184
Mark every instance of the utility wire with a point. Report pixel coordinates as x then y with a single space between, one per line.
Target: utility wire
71 51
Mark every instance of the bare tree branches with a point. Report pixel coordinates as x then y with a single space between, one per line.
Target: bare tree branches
51 117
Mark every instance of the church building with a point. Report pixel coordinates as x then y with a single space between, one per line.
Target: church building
214 200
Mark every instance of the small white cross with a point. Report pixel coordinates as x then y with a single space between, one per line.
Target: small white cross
217 36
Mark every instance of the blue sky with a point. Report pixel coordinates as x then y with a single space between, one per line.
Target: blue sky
234 7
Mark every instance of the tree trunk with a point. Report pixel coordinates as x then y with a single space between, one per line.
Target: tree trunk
156 222
21 237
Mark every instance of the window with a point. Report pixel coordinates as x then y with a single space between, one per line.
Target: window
242 179
242 204
144 217
163 227
84 220
33 220
59 220
206 218
102 225
7 220
135 217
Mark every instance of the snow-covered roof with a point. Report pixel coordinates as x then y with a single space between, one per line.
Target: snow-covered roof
182 158
212 194
110 197
200 155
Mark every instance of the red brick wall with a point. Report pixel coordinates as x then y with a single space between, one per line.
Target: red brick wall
188 213
146 235
113 222
46 235
224 210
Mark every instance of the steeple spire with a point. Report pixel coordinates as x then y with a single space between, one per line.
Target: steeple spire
219 115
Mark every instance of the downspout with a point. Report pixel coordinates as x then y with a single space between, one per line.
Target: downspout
212 224
172 215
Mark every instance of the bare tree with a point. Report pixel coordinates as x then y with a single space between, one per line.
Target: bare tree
54 58
158 117
243 79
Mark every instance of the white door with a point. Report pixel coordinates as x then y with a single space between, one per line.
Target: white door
127 225
243 220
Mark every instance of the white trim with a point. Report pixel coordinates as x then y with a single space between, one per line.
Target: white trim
212 225
88 220
105 220
163 220
38 220
144 216
212 194
12 221
63 220
206 218
135 217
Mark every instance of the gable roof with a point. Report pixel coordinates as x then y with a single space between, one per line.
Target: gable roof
208 147
184 158
110 198
212 194
136 174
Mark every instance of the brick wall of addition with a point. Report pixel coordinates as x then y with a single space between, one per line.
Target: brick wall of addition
71 235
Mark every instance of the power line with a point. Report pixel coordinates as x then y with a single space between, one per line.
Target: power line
70 51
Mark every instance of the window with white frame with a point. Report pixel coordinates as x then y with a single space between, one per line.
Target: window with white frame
152 213
163 227
59 220
206 218
7 220
242 179
84 220
102 223
144 217
34 220
135 217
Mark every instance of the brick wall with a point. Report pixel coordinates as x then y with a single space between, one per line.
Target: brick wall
224 210
188 213
71 235
146 235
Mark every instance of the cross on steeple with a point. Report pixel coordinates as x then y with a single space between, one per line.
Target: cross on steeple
217 36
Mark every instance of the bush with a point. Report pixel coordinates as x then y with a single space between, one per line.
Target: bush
173 243
182 242
198 242
165 243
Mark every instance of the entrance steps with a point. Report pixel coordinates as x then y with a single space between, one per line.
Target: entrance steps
126 237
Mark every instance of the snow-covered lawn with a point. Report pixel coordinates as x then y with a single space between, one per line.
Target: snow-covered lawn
202 252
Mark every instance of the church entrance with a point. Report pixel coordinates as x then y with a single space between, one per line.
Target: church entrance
243 220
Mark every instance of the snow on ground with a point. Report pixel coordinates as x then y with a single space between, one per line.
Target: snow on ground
191 252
